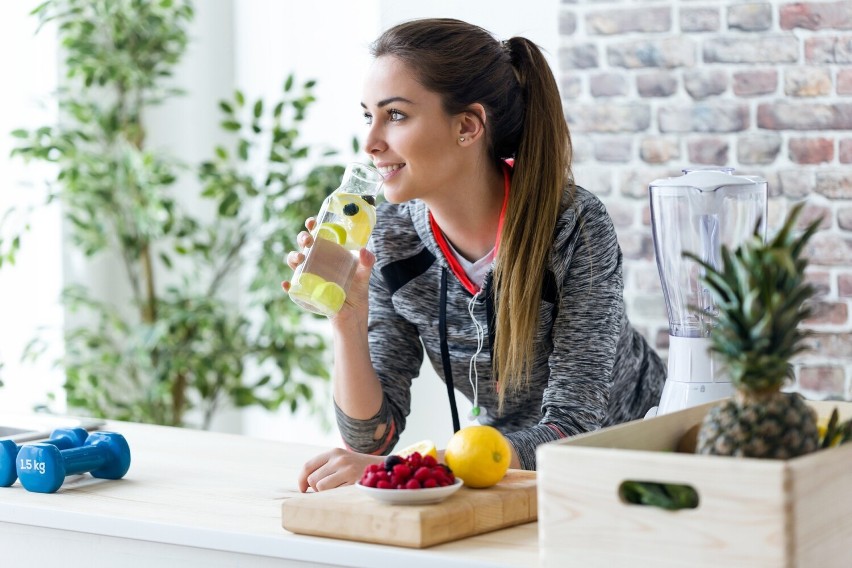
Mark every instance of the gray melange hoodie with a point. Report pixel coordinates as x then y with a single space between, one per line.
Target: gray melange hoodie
591 369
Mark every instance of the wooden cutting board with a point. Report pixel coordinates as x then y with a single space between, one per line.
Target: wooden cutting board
349 514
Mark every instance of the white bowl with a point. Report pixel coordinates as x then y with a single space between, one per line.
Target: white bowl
411 496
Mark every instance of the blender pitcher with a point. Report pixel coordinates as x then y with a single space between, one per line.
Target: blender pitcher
698 212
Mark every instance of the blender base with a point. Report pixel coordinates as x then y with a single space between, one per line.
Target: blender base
693 376
679 395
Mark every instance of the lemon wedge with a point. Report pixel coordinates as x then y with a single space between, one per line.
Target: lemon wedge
423 447
305 285
333 232
329 296
361 226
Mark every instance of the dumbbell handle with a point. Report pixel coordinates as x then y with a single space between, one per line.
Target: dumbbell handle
82 460
61 442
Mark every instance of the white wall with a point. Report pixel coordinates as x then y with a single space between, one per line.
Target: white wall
29 290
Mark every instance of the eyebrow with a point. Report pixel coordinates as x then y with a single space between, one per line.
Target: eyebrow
390 100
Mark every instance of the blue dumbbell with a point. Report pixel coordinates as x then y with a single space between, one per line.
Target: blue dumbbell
42 468
62 438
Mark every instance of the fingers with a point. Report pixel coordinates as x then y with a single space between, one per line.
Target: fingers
367 259
294 259
310 467
317 470
324 471
332 469
303 240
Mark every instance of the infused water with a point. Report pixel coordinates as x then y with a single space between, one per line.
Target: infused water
344 225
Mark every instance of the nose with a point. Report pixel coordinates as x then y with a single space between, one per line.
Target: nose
375 142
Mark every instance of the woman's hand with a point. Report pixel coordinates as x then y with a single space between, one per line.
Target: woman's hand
334 468
357 299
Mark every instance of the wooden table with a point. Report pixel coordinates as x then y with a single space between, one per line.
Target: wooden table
196 498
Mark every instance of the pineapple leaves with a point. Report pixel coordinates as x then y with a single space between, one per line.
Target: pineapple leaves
761 297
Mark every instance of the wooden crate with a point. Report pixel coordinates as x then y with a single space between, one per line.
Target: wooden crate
751 513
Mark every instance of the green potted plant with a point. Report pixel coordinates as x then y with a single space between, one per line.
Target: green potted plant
184 347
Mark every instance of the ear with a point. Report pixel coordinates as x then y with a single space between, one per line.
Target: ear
471 124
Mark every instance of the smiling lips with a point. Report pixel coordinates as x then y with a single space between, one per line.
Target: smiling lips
388 170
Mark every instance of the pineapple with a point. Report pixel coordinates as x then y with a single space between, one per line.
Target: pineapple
760 294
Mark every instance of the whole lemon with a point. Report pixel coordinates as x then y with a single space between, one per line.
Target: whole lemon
480 455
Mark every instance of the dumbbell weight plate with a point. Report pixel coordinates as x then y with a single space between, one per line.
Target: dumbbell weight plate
8 453
40 468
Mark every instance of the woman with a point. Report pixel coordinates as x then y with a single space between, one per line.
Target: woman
486 256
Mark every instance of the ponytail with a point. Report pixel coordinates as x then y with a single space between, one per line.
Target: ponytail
540 175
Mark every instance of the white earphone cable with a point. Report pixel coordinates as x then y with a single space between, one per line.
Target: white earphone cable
473 375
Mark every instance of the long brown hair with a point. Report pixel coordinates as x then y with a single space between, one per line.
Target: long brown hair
465 64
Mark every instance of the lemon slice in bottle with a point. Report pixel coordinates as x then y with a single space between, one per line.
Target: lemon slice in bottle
341 200
329 296
305 285
333 232
360 225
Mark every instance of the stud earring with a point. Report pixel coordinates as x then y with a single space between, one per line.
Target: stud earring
461 138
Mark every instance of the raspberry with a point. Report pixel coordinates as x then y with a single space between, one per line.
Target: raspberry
429 483
429 461
383 484
402 471
422 474
414 461
412 484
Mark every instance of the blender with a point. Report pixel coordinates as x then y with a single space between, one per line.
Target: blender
698 212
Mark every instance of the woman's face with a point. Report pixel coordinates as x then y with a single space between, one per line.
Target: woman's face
410 137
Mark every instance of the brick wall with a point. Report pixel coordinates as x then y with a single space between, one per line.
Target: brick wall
651 87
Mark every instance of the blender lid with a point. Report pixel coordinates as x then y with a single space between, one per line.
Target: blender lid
708 179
